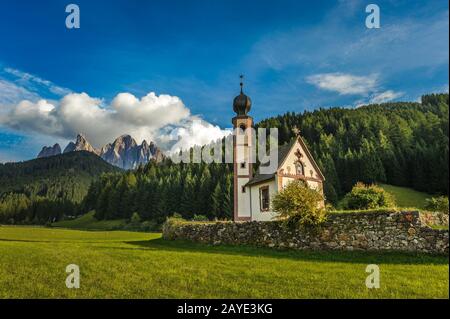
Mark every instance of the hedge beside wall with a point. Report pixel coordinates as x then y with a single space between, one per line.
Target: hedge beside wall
382 230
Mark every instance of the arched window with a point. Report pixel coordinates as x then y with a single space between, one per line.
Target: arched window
299 169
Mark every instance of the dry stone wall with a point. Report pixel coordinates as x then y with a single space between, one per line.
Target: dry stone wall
382 230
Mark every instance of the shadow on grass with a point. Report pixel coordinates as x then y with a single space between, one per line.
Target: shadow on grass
364 257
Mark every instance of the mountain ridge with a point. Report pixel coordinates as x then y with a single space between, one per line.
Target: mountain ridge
124 152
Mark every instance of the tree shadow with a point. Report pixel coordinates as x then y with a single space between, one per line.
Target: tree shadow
363 257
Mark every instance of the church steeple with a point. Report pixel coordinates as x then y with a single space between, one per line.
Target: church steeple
242 146
242 103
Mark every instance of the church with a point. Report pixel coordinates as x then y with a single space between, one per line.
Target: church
253 192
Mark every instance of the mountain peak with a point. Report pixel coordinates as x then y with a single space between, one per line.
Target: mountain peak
125 138
50 151
81 144
81 137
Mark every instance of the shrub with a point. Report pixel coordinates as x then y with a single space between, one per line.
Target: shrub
437 204
299 205
177 216
170 227
367 197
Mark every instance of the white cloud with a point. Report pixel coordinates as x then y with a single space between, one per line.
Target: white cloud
348 84
151 110
344 84
27 80
195 132
164 119
385 96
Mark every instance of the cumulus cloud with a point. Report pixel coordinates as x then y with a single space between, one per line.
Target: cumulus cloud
151 110
164 119
344 84
194 131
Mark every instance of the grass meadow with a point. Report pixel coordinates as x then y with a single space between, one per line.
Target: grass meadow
117 264
88 222
407 197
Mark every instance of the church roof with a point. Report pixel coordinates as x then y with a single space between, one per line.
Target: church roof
283 152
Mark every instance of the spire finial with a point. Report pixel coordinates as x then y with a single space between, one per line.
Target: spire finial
242 82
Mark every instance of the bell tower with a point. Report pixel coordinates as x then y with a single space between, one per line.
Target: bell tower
242 144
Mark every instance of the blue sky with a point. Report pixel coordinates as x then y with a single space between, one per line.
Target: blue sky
296 56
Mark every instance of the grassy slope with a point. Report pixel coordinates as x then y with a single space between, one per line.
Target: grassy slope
131 265
404 197
88 222
407 197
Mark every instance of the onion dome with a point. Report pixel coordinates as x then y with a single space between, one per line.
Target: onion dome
242 103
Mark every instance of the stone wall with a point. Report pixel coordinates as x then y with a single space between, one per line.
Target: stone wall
382 230
436 219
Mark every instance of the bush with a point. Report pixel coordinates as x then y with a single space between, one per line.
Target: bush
177 216
437 204
299 205
367 197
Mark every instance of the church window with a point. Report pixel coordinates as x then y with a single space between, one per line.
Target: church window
300 169
243 165
243 189
264 198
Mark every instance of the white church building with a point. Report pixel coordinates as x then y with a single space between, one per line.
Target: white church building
253 193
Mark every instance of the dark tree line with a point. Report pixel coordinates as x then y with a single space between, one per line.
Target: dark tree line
157 191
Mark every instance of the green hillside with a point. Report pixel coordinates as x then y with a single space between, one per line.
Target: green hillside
46 188
407 197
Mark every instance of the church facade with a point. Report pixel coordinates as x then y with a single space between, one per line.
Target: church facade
253 192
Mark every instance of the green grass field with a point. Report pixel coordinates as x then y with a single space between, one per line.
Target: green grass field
407 197
88 222
118 264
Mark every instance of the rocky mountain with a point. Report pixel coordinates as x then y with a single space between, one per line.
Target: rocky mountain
81 144
48 151
124 152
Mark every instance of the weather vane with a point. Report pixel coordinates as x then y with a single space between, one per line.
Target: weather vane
242 81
